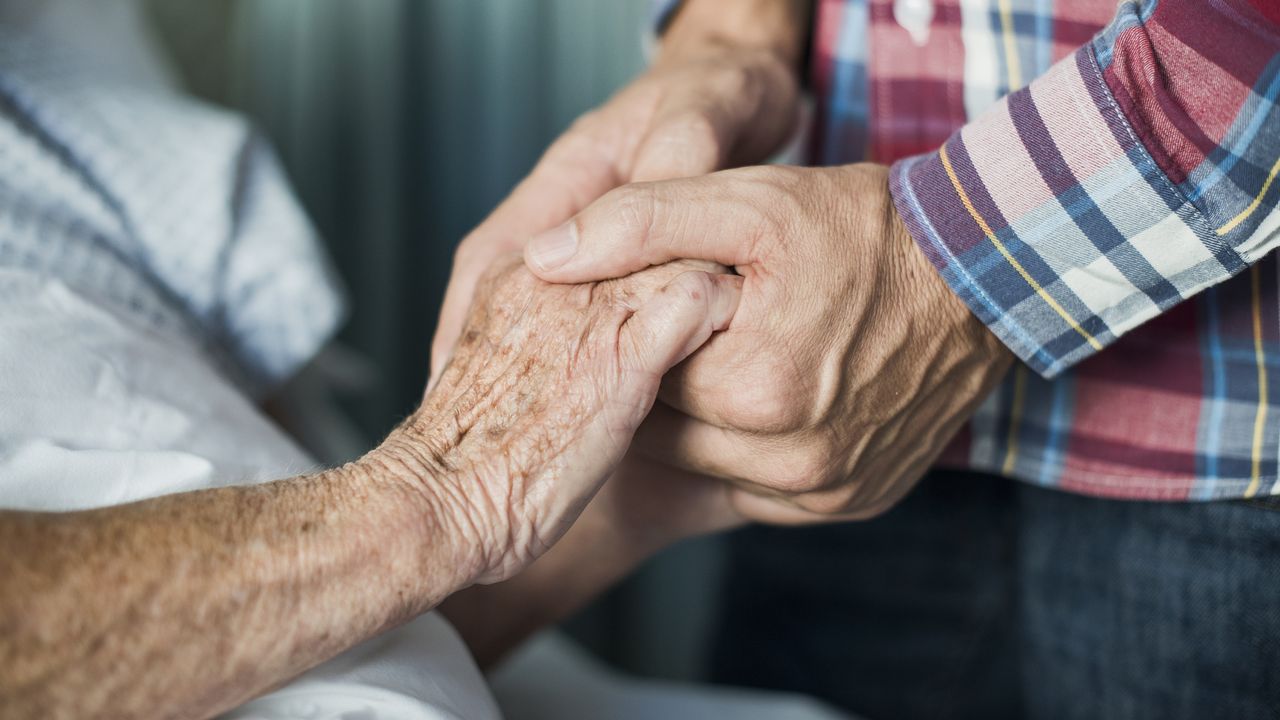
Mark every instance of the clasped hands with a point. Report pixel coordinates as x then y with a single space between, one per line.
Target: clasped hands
849 363
846 365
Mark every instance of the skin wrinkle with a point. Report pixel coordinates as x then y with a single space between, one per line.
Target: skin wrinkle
483 399
678 388
147 613
580 171
268 581
839 401
689 72
599 313
637 212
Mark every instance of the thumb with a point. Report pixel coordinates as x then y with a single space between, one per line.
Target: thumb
637 226
676 321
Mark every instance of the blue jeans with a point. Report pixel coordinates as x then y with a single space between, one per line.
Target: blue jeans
980 597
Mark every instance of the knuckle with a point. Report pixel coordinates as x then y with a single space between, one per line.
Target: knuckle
634 290
791 199
768 204
516 277
693 286
506 290
808 470
759 408
771 401
582 295
633 210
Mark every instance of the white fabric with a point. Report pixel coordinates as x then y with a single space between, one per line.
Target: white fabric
550 678
154 269
421 671
99 409
167 208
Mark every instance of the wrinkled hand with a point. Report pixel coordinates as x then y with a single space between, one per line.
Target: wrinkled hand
849 363
542 396
703 106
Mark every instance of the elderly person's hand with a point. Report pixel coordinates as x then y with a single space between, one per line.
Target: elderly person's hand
201 600
543 393
722 92
849 364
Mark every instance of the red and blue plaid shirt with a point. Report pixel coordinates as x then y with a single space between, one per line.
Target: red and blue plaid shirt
1086 169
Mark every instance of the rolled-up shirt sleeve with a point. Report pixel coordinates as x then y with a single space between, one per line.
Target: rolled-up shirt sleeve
1135 173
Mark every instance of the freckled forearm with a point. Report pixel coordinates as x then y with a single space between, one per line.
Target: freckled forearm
187 605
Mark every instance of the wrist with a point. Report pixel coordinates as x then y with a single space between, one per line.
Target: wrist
922 280
777 26
421 490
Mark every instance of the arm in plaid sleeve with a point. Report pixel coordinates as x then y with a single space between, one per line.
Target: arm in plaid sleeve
1135 173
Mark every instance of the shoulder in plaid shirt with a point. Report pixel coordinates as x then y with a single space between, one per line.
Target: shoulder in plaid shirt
1086 169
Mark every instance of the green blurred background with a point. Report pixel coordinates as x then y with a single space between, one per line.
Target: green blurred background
402 123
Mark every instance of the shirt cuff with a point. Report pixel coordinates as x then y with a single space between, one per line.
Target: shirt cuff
663 11
1050 219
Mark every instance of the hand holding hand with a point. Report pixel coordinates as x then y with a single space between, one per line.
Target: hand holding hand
849 363
709 102
541 399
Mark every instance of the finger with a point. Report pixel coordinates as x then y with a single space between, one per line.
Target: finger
733 382
769 486
663 331
668 501
676 321
761 463
569 175
700 129
714 217
684 142
784 511
676 439
762 491
766 465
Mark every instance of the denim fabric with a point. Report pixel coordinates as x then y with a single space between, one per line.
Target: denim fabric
979 597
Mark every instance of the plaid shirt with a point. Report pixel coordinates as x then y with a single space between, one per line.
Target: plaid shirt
1085 170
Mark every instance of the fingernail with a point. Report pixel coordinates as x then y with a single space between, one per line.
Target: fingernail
552 248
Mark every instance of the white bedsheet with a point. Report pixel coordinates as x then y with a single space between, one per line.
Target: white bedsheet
154 272
97 409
